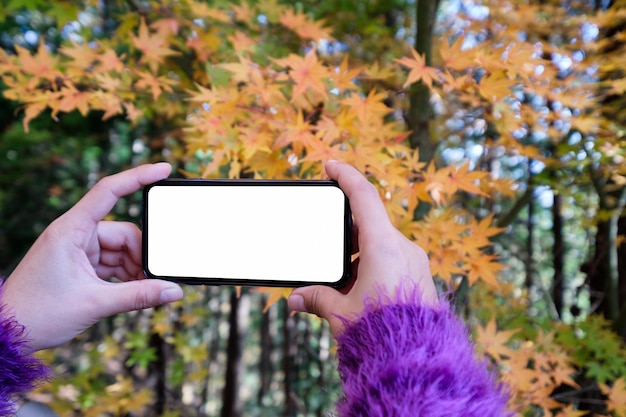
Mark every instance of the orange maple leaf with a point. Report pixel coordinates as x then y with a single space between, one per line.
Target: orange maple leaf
306 73
616 396
156 84
73 99
482 231
419 70
494 341
109 61
153 47
462 179
367 108
305 27
484 268
41 64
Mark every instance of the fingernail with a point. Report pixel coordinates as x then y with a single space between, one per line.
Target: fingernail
296 303
171 294
332 161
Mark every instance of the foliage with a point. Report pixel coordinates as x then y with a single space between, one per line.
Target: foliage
263 90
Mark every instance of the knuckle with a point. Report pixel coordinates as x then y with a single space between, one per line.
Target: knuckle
142 301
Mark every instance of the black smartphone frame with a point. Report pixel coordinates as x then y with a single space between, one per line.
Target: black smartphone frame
246 281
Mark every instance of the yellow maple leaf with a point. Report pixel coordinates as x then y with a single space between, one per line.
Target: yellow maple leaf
495 87
344 77
419 71
82 56
460 178
570 411
274 294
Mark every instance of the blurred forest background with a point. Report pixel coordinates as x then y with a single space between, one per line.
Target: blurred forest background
494 130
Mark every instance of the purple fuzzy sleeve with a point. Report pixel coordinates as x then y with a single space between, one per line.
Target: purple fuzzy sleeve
406 359
20 371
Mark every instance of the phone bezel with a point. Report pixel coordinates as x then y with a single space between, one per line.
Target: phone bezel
172 182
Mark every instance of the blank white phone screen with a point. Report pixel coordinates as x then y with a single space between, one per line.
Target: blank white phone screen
279 233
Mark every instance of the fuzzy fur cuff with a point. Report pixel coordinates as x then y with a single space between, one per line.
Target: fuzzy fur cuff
407 359
20 371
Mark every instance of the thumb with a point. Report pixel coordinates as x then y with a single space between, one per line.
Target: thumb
137 295
316 299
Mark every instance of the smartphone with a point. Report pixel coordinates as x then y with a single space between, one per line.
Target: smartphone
247 232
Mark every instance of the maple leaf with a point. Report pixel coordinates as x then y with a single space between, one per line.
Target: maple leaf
108 82
482 231
495 87
376 72
444 263
484 268
73 99
494 341
306 72
570 411
132 113
343 77
461 179
455 57
31 111
274 295
82 56
242 42
156 84
166 27
303 26
203 10
41 64
367 108
243 12
419 70
616 396
153 47
109 61
296 133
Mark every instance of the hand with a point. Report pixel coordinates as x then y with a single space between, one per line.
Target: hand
58 290
387 260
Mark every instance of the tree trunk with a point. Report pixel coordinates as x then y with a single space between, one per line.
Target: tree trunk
265 361
288 354
558 254
420 112
239 311
530 225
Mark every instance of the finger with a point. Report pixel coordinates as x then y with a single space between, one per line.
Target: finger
123 237
316 299
115 298
120 262
354 239
120 272
368 209
99 201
